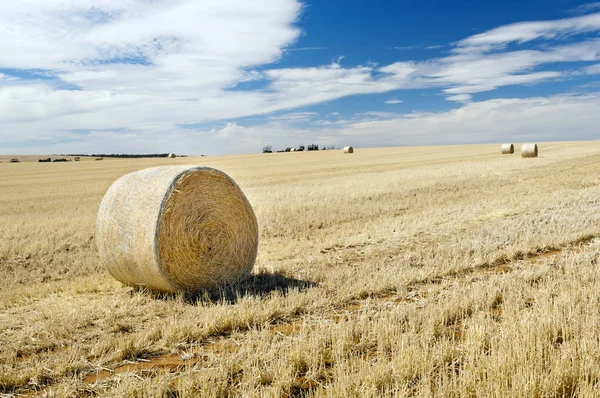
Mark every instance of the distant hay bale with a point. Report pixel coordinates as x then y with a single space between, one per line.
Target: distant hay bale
529 150
171 156
176 228
348 149
508 149
293 150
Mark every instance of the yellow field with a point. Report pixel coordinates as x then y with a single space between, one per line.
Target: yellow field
426 271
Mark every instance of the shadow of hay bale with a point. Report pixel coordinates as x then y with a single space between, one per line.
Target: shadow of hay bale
256 285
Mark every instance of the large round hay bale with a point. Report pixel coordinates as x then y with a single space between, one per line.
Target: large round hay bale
292 149
507 149
529 150
348 149
176 228
171 156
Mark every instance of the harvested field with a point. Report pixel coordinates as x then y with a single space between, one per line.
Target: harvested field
423 271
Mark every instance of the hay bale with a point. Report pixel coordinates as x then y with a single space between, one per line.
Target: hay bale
348 149
507 149
529 150
171 156
176 228
293 150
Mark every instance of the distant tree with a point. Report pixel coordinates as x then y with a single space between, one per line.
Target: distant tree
301 148
267 149
313 147
332 147
288 149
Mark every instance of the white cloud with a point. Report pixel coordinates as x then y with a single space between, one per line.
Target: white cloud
376 114
64 35
306 48
460 98
540 119
393 101
593 69
585 8
403 48
294 116
527 31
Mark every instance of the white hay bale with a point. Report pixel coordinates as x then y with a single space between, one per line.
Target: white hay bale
293 150
348 149
176 228
529 150
507 149
171 156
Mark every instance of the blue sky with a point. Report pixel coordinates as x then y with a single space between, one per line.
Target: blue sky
228 76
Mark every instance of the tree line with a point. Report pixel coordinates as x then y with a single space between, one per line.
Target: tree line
311 147
124 155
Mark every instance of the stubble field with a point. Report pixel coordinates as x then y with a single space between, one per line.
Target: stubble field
427 271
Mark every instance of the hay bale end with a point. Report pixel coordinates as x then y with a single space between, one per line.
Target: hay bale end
507 149
176 228
348 149
529 150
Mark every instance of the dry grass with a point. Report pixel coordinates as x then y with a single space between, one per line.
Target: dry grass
393 272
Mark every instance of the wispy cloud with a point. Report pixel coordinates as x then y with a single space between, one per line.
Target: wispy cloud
415 47
403 48
593 69
294 116
523 32
376 114
393 101
460 98
585 8
306 48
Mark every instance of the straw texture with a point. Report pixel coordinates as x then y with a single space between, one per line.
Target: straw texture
507 149
176 228
348 149
529 151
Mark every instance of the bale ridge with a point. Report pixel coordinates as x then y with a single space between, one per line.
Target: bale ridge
507 149
176 228
529 151
348 149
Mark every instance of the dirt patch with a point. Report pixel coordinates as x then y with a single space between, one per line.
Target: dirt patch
501 269
168 362
288 329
